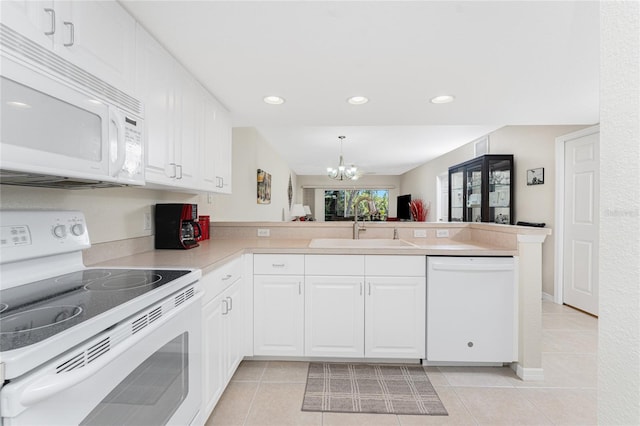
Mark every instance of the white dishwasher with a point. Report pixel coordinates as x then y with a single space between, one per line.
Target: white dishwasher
471 310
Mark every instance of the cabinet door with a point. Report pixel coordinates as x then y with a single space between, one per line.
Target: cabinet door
99 37
155 85
209 146
395 317
224 151
471 310
334 316
188 115
232 329
213 379
278 315
30 19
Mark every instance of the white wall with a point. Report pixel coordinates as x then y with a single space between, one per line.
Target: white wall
250 153
619 323
392 183
532 147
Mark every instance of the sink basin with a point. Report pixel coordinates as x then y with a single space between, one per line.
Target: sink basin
363 243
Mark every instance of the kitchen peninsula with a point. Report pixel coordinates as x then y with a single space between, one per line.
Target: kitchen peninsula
234 240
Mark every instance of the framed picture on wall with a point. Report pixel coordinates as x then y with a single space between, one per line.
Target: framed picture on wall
535 176
264 187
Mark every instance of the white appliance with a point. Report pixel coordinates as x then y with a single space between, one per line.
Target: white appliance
92 345
61 126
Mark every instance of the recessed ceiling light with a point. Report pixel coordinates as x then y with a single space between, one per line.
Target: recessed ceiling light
18 104
444 99
274 100
358 100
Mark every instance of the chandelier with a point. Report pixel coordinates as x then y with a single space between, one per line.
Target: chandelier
342 172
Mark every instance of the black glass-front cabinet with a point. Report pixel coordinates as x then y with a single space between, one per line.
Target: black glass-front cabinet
481 190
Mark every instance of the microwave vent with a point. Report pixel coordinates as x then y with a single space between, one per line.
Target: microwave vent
45 59
9 177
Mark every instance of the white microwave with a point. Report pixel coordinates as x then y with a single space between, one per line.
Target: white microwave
66 129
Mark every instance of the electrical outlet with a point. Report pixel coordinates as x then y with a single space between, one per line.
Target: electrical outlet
442 233
209 198
264 232
419 233
146 226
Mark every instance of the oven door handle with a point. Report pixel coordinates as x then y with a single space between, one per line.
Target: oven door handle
51 384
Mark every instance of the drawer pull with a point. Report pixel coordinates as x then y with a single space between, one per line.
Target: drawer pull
230 299
226 277
278 265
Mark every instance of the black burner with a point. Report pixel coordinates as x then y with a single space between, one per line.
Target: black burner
36 311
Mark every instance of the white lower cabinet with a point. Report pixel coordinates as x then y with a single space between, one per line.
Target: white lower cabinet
395 317
471 309
334 316
349 306
278 325
223 331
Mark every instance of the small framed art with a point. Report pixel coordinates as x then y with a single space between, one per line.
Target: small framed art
535 176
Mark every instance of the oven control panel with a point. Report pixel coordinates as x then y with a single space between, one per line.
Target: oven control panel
17 235
26 234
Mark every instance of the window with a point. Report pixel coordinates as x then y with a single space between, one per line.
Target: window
340 204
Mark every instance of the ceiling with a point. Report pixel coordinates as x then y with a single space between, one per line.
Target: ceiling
506 63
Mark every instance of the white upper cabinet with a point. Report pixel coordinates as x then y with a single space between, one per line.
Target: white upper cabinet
216 149
97 36
188 131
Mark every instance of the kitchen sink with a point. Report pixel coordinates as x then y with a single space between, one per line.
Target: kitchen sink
362 243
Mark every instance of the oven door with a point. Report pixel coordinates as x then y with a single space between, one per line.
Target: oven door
149 377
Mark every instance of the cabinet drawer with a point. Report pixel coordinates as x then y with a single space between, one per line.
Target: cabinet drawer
216 281
334 264
278 264
407 266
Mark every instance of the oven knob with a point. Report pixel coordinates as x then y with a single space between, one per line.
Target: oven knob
77 229
59 231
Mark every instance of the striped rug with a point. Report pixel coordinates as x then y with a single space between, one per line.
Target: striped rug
370 388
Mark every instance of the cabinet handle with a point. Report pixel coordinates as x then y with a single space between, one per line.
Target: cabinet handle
72 33
360 289
277 265
174 170
299 288
179 167
52 14
226 277
369 289
226 307
230 299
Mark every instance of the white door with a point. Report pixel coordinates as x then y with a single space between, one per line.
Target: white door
334 316
278 318
395 317
581 222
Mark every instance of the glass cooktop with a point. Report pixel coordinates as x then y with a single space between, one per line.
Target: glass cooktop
36 311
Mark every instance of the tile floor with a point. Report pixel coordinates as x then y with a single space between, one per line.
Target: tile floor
266 393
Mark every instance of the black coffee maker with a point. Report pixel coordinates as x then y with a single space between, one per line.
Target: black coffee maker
177 226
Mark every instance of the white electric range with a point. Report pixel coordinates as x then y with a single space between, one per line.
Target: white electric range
92 345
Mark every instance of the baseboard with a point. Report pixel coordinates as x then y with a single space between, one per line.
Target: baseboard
548 297
460 364
528 374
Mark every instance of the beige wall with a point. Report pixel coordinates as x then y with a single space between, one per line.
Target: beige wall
532 147
112 214
250 153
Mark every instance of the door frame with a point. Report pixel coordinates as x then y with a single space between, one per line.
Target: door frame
558 287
